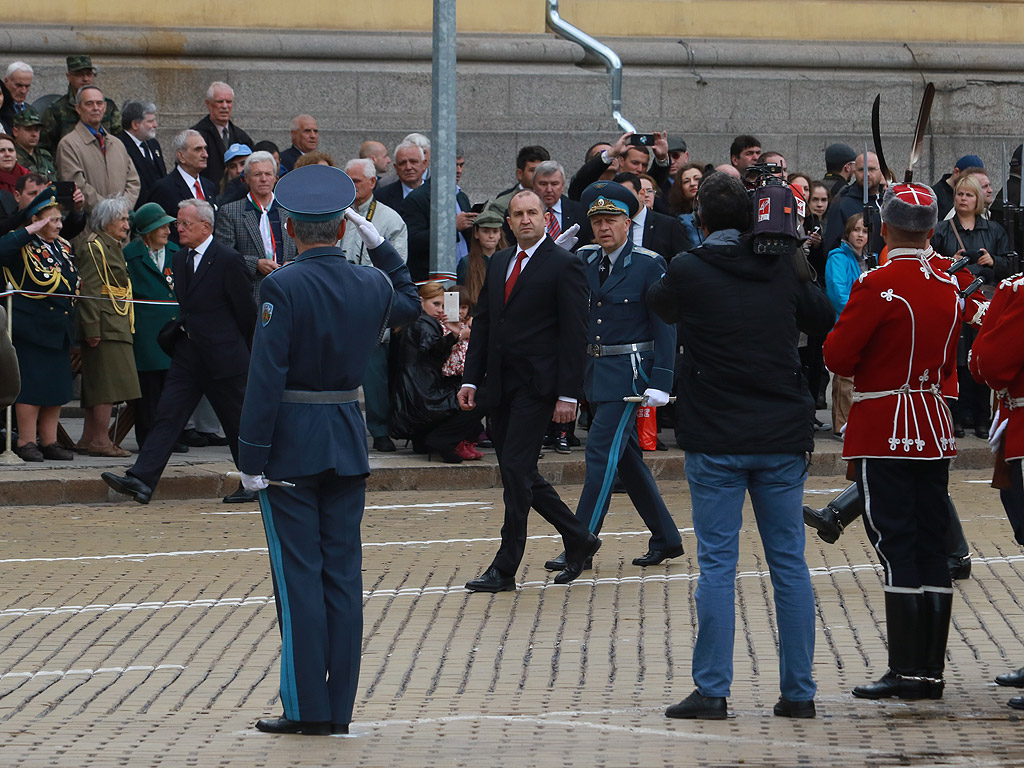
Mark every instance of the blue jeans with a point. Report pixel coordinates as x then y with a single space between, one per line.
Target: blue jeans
717 487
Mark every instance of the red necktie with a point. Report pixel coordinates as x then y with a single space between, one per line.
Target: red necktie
199 191
552 224
511 282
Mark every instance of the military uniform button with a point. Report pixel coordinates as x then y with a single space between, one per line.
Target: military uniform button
599 303
597 338
599 321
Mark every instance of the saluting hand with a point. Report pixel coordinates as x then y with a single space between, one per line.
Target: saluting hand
367 232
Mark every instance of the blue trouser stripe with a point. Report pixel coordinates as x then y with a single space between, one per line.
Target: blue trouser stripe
609 469
289 692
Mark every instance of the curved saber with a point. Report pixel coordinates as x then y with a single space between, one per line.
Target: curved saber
922 125
282 483
876 134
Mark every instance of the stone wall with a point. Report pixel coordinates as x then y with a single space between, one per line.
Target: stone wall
512 90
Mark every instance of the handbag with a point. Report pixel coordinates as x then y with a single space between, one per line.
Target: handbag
169 335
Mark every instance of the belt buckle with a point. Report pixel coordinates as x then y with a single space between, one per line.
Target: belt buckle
594 350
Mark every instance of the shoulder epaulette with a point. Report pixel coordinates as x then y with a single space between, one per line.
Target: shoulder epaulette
646 252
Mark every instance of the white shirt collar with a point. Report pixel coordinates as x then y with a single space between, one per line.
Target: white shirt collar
641 217
138 142
200 250
533 248
190 180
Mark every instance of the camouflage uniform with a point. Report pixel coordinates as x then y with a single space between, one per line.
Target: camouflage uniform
40 162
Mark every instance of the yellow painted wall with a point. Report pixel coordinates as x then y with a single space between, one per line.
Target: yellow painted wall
895 20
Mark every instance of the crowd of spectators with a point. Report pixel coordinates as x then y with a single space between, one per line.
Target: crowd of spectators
119 194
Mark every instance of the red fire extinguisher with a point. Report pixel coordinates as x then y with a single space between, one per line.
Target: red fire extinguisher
647 427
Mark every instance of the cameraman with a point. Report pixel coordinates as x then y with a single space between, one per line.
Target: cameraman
745 424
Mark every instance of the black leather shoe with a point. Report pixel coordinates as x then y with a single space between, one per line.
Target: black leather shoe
129 486
180 448
660 446
576 566
697 707
799 709
893 686
284 725
562 445
384 444
28 452
339 727
194 439
825 521
655 556
960 568
241 496
213 438
1013 679
558 564
958 431
981 432
1017 702
492 580
54 452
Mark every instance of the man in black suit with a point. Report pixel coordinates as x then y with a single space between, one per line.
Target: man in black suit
217 315
416 213
186 180
652 230
410 163
218 131
139 123
526 353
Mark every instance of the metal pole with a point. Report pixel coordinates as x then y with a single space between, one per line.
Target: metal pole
9 456
442 144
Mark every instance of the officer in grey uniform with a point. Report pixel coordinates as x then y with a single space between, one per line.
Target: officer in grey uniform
319 321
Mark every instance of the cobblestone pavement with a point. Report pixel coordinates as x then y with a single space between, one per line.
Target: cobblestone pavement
146 636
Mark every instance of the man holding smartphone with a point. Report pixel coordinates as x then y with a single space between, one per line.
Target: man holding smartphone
633 152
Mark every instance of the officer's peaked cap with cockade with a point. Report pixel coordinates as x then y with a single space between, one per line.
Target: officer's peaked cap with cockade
315 192
609 197
910 207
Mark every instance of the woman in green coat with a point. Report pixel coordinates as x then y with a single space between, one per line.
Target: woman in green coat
149 258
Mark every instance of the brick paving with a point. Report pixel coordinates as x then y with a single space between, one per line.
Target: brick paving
146 636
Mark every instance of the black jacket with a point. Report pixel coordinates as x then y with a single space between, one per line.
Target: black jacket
664 235
150 171
172 189
850 202
740 387
986 234
422 396
215 146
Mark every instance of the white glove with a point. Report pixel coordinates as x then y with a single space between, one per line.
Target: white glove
655 398
367 232
254 482
995 432
568 238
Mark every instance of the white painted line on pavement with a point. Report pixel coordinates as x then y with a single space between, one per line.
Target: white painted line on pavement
89 672
440 505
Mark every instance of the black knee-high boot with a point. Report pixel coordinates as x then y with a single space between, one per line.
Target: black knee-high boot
938 609
957 551
832 519
905 624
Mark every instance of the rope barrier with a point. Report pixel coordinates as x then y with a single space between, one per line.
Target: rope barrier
41 294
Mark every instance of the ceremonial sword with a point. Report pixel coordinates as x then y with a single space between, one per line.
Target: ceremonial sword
282 483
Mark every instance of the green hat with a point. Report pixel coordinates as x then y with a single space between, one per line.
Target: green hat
149 217
80 62
45 199
489 217
27 118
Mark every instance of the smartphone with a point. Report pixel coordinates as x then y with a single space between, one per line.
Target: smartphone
643 139
478 208
451 306
65 193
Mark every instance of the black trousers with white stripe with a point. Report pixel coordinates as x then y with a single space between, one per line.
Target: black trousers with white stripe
906 517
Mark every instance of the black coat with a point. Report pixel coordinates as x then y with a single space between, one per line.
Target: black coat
216 147
416 212
150 171
740 388
217 310
1012 188
422 396
391 196
172 189
664 235
573 212
850 202
986 234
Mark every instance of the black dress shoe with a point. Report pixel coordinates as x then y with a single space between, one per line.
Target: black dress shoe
958 431
384 444
655 556
558 564
241 496
193 438
492 580
54 452
28 452
1013 679
1017 702
129 486
180 448
981 432
799 709
894 686
303 727
576 566
339 727
488 443
213 439
660 446
697 707
960 568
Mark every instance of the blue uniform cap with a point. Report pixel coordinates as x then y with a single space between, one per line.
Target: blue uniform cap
315 192
609 197
45 199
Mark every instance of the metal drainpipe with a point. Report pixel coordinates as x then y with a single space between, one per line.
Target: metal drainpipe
613 63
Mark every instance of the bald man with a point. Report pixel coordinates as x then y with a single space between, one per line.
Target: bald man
305 138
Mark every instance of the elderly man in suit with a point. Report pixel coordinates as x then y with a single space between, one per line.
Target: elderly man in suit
138 134
305 138
92 158
217 130
410 163
526 355
416 212
560 212
254 226
14 90
217 317
186 180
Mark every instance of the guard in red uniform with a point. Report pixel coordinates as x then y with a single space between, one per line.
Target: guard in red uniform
897 338
997 359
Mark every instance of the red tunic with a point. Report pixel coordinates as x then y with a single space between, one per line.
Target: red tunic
975 305
997 359
897 338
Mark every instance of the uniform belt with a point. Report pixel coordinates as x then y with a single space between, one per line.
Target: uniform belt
336 397
608 350
1013 403
904 390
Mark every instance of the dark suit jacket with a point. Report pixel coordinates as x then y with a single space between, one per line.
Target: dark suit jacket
573 212
391 196
288 158
150 171
664 235
216 147
416 212
538 339
172 189
216 308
